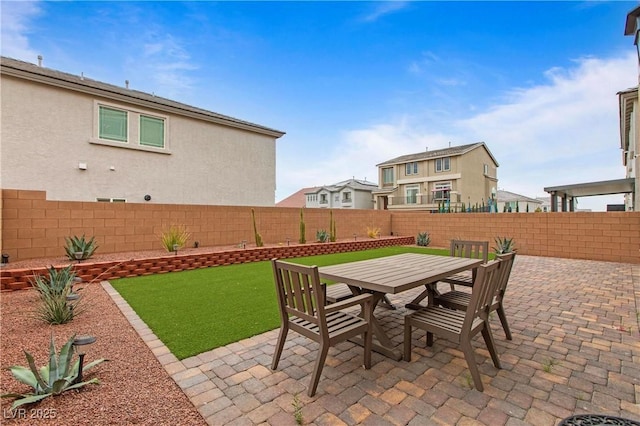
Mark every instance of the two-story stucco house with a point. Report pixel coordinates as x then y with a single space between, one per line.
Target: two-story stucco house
455 176
83 140
348 194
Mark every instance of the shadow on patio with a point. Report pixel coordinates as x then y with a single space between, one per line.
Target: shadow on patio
575 349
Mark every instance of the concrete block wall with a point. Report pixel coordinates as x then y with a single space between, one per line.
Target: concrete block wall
33 227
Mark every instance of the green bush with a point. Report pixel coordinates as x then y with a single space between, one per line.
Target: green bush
174 236
504 245
55 306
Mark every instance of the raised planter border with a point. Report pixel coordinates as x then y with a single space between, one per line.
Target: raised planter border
20 279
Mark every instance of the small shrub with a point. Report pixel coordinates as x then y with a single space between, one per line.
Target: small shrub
79 248
373 232
51 380
175 235
423 239
504 245
257 235
322 236
303 238
54 307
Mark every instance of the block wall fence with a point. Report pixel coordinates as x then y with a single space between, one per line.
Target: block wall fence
33 227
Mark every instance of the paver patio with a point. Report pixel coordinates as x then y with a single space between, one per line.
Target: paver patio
575 349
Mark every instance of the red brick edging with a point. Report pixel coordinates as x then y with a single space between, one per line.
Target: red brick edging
19 279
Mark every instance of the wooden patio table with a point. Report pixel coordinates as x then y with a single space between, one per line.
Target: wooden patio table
394 274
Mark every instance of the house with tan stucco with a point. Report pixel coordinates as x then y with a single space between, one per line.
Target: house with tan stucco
456 177
80 139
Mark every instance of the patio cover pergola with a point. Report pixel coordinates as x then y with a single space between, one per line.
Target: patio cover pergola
568 193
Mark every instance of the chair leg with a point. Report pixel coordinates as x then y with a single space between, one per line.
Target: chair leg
503 319
429 339
317 371
407 339
470 357
488 340
282 337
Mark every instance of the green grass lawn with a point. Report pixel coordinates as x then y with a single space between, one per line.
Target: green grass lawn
199 310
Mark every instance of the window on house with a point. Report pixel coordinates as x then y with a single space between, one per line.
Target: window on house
411 192
113 124
323 198
151 131
387 176
441 191
411 168
486 169
111 200
443 164
126 127
346 197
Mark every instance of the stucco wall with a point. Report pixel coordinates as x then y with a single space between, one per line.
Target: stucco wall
46 133
33 226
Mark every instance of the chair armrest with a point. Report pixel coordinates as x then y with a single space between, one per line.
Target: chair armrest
355 300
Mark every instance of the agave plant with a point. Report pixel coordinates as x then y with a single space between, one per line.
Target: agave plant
504 245
423 239
51 380
322 236
80 248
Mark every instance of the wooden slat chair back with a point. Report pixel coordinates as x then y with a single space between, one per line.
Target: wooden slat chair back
301 299
460 299
471 250
461 326
458 248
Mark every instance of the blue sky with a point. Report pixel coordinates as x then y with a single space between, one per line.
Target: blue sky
357 83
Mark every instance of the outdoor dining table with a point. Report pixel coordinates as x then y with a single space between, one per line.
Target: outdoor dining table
394 274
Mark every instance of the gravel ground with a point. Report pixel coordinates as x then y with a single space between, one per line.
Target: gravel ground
134 388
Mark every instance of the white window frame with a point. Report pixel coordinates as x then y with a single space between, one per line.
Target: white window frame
411 192
324 199
111 200
442 165
411 168
486 169
133 128
346 197
445 188
386 171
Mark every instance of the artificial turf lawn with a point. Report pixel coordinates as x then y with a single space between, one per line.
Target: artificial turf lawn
199 310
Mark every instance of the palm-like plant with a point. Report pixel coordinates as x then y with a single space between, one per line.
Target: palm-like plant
50 380
504 245
78 248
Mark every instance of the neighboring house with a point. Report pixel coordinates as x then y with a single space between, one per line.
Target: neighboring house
83 140
457 176
510 202
630 144
348 194
297 199
545 203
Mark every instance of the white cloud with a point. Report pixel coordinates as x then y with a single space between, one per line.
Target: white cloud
15 26
384 8
563 131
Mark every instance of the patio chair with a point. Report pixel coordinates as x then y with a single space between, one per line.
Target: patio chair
460 300
461 326
301 299
459 248
341 291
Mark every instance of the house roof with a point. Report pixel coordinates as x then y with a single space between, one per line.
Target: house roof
297 199
83 84
626 100
506 196
630 27
437 153
357 184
